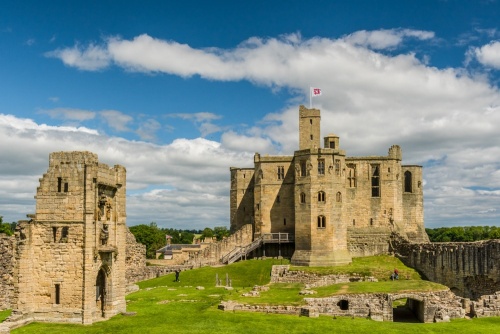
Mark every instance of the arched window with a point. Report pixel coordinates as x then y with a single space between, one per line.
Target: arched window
408 182
321 196
321 221
302 198
339 197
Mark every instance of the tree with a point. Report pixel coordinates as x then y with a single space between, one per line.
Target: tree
5 227
150 236
207 233
221 232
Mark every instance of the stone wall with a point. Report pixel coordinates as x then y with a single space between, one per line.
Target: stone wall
470 269
6 271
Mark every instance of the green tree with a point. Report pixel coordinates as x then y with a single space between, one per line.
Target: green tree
221 232
150 236
207 233
5 227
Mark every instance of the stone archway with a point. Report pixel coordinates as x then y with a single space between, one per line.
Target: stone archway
101 292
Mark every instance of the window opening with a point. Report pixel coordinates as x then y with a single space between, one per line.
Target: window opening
321 167
57 298
284 221
351 175
408 182
303 168
311 137
375 181
65 187
332 144
321 221
281 172
337 166
59 184
339 197
371 221
354 222
321 196
302 198
54 234
64 234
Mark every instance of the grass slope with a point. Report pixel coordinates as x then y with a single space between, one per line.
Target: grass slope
164 306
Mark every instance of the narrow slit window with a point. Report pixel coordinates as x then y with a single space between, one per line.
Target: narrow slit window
375 181
408 182
321 167
57 294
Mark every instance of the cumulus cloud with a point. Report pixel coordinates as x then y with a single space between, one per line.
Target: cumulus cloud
90 58
116 119
182 184
70 114
488 55
443 118
203 120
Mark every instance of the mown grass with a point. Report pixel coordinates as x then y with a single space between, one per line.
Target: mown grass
4 314
164 306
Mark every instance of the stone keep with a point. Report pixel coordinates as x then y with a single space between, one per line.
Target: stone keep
71 254
336 206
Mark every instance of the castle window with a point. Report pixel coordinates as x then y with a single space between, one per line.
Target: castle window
302 198
284 221
339 197
59 184
57 294
321 167
375 181
311 137
258 206
321 221
54 234
281 172
303 170
64 234
65 187
332 144
371 221
321 196
337 166
354 222
351 175
311 121
408 182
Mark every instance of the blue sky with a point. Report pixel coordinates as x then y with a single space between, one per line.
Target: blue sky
180 91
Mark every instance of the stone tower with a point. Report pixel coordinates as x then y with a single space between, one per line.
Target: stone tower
320 231
71 254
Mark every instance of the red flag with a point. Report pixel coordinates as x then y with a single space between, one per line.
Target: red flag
315 91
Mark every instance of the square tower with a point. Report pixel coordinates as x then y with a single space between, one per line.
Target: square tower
71 254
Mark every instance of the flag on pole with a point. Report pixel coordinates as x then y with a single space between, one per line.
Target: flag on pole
313 92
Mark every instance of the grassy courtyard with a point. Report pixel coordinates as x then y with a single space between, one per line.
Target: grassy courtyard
165 306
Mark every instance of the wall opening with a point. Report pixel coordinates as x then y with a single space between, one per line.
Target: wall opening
343 305
407 310
57 294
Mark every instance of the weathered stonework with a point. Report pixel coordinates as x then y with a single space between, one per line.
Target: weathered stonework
470 269
332 203
6 270
70 257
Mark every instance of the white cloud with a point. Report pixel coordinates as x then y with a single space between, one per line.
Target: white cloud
116 119
91 58
443 119
70 114
488 55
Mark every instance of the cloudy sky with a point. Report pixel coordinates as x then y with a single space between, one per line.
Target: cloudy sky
179 91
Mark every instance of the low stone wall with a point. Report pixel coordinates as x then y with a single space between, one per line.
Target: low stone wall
283 274
486 306
6 271
470 269
427 306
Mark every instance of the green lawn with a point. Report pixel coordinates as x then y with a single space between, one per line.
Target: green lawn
164 306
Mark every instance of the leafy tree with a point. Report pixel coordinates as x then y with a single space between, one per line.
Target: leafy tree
207 233
221 232
462 234
5 227
150 236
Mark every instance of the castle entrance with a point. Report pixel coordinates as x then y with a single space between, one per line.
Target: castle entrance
100 286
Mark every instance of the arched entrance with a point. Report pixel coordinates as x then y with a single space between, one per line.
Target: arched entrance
100 287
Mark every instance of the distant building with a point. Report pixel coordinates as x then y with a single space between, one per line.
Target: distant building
335 206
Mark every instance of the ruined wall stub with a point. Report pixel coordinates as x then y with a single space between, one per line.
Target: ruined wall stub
71 255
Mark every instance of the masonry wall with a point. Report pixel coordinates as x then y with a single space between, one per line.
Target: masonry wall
470 269
6 271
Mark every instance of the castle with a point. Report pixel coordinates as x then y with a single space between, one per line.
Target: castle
335 206
70 257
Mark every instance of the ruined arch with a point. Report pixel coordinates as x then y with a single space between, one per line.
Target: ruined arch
411 308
